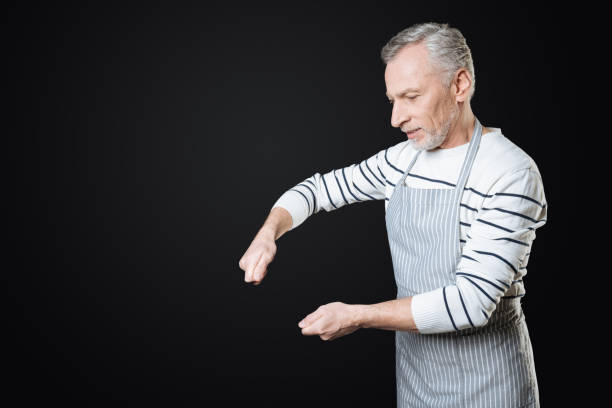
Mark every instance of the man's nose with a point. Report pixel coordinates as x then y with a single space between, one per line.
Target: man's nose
399 115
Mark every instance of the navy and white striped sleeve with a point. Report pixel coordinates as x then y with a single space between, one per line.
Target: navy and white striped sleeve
493 258
363 181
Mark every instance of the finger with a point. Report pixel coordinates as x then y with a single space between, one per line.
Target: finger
309 320
248 276
309 330
315 328
260 268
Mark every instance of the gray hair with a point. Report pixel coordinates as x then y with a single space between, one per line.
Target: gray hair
447 48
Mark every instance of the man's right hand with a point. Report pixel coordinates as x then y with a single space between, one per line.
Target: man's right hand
258 256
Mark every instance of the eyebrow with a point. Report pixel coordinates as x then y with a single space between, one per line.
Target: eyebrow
405 91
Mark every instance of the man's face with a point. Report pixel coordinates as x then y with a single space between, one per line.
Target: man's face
422 105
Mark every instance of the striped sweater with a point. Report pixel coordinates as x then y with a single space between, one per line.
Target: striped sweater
502 205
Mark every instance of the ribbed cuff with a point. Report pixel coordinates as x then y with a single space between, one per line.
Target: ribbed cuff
429 312
295 204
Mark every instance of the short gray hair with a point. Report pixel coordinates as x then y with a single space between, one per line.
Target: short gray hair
447 48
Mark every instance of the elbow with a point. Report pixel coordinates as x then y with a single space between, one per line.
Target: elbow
480 314
482 318
477 304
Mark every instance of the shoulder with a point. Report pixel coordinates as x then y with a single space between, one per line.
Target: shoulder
499 156
508 169
394 160
396 154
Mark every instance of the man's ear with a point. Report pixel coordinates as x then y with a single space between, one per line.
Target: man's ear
462 82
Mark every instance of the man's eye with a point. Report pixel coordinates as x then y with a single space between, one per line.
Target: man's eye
413 97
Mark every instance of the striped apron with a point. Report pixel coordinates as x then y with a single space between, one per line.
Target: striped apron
488 366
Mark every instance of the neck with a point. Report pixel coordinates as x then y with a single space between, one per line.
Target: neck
461 129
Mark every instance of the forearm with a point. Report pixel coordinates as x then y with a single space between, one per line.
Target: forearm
278 222
330 191
390 315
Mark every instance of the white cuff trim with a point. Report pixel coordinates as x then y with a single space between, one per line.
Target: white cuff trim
295 204
429 312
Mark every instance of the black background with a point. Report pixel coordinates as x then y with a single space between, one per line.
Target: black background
156 138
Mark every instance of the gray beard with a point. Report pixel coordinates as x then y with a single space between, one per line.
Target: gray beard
434 139
430 141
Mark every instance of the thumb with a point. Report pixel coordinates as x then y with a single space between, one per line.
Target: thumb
251 270
260 268
308 320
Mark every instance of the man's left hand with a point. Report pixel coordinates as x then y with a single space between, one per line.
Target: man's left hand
331 321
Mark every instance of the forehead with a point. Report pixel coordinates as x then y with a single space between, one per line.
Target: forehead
410 68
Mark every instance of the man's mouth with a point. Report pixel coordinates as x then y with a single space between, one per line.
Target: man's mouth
411 133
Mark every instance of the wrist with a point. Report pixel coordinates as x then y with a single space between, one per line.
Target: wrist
362 316
278 222
267 231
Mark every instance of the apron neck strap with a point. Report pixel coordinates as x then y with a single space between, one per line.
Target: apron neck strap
401 182
467 163
469 160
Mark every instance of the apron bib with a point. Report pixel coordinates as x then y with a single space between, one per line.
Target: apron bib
488 366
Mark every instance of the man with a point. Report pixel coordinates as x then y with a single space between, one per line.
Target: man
462 205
